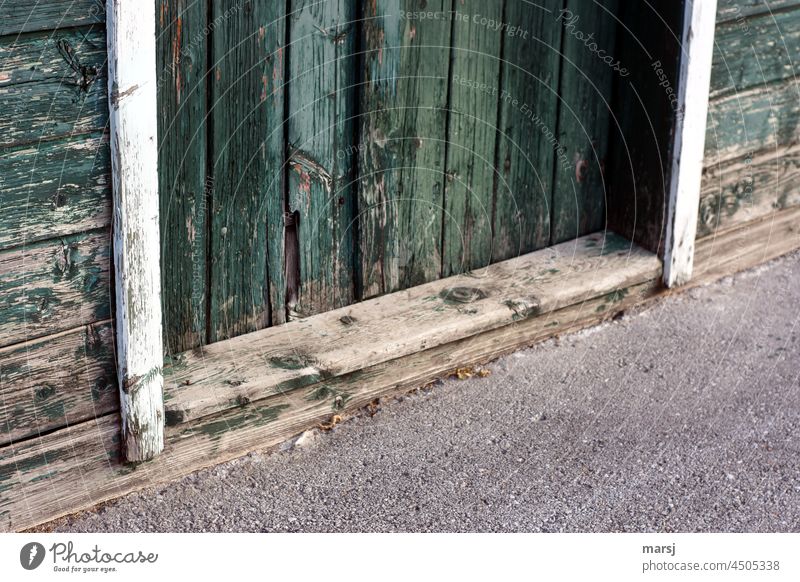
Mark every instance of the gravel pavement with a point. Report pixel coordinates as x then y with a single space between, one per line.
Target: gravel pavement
684 416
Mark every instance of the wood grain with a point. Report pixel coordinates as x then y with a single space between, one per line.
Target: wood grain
754 52
246 259
403 137
133 121
54 189
321 133
26 16
472 137
527 141
250 367
744 189
184 191
52 85
752 120
57 381
580 191
728 10
53 286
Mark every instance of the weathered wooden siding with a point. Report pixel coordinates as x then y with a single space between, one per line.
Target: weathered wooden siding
751 161
56 339
321 149
184 190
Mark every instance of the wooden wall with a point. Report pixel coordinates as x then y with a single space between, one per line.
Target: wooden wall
753 138
56 340
317 154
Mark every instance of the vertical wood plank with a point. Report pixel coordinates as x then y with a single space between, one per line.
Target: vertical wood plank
690 131
587 74
527 146
321 137
246 153
134 167
472 130
181 69
402 145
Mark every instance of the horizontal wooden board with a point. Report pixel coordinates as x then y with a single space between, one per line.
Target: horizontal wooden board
760 50
53 286
52 85
86 454
57 381
739 9
54 188
746 245
276 360
743 189
753 120
29 16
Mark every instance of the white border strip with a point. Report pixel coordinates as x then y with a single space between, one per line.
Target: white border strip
134 164
690 135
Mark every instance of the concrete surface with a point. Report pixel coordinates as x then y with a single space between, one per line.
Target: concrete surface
683 417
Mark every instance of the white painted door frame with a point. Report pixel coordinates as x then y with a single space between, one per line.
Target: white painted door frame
683 202
134 165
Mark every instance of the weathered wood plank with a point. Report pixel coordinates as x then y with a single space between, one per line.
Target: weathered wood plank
276 360
246 153
755 52
746 245
587 74
402 153
686 163
53 286
133 116
472 132
26 16
756 119
52 85
57 381
321 134
183 189
87 453
54 189
738 10
748 188
527 146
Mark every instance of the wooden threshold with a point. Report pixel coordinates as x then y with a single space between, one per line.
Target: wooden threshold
276 360
78 467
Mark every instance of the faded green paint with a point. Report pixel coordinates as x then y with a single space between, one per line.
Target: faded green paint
321 137
402 147
44 286
728 10
54 189
246 258
526 144
773 37
26 16
587 75
53 85
183 189
472 131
